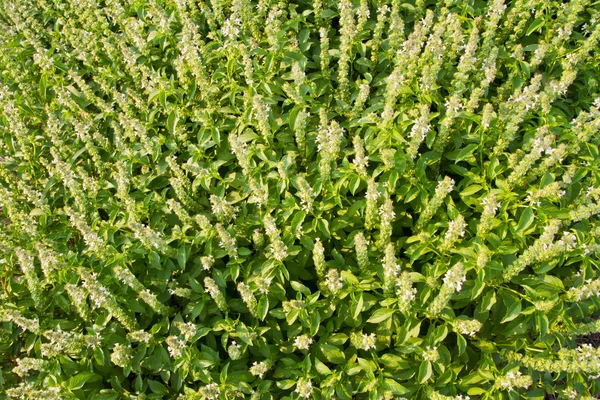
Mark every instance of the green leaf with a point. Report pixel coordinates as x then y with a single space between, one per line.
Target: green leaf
263 307
476 391
381 315
157 387
333 354
470 190
464 153
172 121
78 381
512 312
314 322
535 25
359 307
440 333
285 384
323 226
298 287
461 343
322 368
542 322
297 221
395 387
525 220
425 372
394 362
182 256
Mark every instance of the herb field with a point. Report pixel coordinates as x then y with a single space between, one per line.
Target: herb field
222 199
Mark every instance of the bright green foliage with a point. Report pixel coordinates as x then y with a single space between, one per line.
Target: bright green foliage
215 199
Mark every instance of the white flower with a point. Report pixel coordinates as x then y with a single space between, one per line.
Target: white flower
333 280
258 369
431 354
455 277
304 388
303 342
210 391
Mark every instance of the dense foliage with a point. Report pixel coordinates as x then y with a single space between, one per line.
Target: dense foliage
215 199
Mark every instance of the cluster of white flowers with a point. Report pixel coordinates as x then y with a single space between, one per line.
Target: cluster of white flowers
361 161
363 341
248 298
62 342
303 342
394 83
231 27
214 291
362 250
278 248
187 329
419 130
227 241
329 141
150 298
207 262
437 396
221 209
348 31
304 388
33 282
300 129
431 354
543 248
210 391
583 359
259 369
150 238
78 298
591 288
490 206
405 291
11 315
391 268
571 393
26 390
306 193
49 259
453 280
240 149
372 196
176 345
483 257
466 326
453 107
121 355
140 336
387 215
263 284
455 277
102 298
90 237
333 281
487 116
318 255
234 351
261 112
443 188
24 365
297 74
324 55
456 229
513 380
363 95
